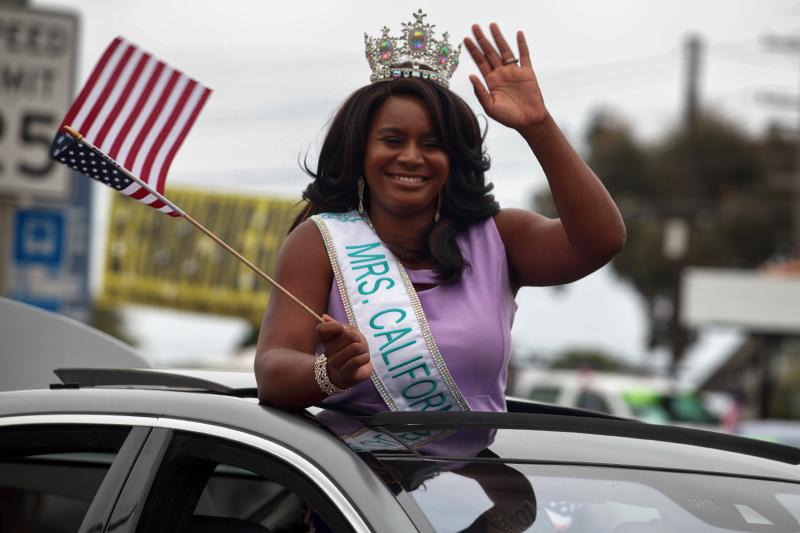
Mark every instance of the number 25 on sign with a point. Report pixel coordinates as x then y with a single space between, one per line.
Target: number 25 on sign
37 72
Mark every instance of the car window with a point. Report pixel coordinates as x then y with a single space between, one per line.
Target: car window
249 497
588 399
49 475
210 484
495 496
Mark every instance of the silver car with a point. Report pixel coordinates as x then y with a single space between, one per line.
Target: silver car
144 450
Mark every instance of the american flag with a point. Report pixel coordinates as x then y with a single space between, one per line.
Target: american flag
91 162
136 110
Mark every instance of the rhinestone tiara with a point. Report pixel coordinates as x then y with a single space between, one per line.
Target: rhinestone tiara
414 54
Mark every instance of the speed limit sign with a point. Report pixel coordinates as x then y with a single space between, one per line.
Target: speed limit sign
37 66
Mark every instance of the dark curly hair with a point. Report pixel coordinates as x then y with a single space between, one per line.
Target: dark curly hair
466 197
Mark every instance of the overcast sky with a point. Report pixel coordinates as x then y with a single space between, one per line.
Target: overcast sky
279 70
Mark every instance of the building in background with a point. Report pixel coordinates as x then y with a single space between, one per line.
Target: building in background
763 374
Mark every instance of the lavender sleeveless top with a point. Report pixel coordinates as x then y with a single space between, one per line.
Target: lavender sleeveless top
470 320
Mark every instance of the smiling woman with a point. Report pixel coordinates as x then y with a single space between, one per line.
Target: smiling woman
405 165
404 249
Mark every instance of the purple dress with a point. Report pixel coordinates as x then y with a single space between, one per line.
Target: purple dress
470 320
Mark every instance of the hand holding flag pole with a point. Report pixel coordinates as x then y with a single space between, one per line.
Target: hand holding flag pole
139 109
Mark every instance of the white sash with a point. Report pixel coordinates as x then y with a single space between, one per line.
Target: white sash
408 370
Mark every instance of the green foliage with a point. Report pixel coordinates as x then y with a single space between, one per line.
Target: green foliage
587 358
732 189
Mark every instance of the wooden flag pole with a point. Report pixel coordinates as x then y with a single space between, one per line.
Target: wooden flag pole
253 267
199 226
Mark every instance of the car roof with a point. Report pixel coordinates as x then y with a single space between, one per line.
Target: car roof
533 432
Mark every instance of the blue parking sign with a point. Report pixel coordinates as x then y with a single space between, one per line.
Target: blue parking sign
39 237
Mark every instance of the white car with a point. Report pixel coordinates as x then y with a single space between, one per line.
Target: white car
649 398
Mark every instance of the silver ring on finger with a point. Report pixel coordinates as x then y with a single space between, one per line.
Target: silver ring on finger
510 60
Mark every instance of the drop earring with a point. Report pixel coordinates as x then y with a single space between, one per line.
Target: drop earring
360 188
438 208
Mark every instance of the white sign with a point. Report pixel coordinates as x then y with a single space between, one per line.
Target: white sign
37 68
745 298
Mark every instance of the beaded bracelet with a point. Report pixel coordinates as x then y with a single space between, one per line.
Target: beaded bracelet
322 378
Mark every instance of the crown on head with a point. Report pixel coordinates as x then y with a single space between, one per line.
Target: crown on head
414 54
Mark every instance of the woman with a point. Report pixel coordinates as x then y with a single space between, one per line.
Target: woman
407 154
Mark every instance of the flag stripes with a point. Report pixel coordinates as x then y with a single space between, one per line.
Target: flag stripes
91 83
120 96
133 108
178 133
137 110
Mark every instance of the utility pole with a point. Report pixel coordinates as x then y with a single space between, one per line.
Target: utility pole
789 44
693 49
677 226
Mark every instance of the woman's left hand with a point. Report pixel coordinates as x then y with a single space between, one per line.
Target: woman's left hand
511 94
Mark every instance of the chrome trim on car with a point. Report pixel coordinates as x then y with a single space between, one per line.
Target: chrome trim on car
114 420
291 457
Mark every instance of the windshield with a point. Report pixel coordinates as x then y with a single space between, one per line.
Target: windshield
496 496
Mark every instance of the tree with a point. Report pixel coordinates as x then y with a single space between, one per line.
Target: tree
729 189
579 358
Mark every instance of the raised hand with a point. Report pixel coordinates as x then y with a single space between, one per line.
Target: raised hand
347 352
511 94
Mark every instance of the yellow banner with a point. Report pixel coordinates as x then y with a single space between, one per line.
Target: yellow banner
158 260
